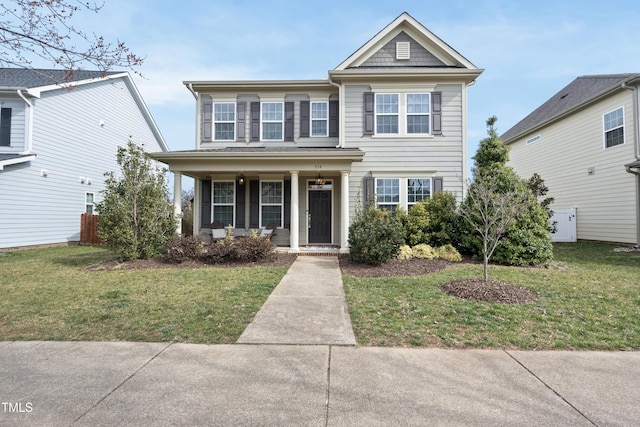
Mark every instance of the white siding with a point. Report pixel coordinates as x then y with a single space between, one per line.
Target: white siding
409 157
18 125
70 143
564 154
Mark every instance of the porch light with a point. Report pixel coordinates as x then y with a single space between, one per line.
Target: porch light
320 180
241 179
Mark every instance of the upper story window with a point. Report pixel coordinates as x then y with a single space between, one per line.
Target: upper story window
224 119
319 118
402 115
272 121
5 127
614 128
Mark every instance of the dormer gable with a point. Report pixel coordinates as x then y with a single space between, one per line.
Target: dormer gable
405 43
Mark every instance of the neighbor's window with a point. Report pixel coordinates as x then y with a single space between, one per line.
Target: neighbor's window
224 119
387 113
418 189
388 193
418 113
89 202
319 118
5 127
223 202
614 128
271 203
272 116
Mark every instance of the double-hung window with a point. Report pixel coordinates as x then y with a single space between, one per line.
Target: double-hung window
387 113
271 203
89 203
223 202
614 128
388 194
224 119
418 189
272 117
418 113
319 118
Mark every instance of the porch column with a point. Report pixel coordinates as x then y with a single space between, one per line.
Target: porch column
177 200
295 219
344 212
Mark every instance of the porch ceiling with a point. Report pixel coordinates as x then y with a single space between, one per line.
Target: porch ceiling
199 163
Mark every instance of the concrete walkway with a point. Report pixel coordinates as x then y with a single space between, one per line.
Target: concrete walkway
307 307
152 384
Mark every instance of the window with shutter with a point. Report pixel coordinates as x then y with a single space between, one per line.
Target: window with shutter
5 127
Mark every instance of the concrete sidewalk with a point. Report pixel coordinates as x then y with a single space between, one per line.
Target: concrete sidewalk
132 384
307 307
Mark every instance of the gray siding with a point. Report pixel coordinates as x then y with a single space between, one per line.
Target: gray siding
70 143
408 157
606 199
386 56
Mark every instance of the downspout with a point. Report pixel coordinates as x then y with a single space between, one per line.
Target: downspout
29 139
193 92
636 143
341 109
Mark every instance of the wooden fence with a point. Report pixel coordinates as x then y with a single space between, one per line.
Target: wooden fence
89 229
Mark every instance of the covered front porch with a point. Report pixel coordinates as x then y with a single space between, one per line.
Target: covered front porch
305 192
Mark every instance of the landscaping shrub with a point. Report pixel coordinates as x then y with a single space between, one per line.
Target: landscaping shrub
417 225
442 226
219 252
183 248
423 251
375 236
448 253
405 252
253 248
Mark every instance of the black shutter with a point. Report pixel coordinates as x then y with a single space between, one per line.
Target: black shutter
254 204
436 113
305 118
255 121
288 121
437 184
241 119
333 118
207 123
5 127
205 206
287 204
369 122
240 204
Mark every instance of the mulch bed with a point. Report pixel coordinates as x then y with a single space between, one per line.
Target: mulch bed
396 267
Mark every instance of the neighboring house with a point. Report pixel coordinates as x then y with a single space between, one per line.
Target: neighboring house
584 143
56 143
387 125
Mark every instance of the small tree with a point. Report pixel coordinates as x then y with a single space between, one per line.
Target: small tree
490 211
136 218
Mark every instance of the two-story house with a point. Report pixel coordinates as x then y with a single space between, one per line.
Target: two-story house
584 143
388 126
56 142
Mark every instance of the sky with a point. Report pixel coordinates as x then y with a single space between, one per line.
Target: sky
528 49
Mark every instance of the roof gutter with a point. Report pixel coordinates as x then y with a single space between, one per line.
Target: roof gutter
193 92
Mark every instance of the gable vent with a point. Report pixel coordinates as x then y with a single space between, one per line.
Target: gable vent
403 50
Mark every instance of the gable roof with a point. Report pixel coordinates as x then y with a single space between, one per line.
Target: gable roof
582 91
445 54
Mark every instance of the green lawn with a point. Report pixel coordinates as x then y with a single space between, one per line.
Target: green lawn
589 299
48 295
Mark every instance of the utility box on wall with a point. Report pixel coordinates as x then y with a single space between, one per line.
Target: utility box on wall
566 226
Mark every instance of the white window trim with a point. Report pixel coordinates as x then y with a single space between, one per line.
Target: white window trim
399 191
402 115
93 205
214 204
605 130
311 119
409 204
262 121
403 189
281 204
213 119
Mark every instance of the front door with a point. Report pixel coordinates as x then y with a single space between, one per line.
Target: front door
319 216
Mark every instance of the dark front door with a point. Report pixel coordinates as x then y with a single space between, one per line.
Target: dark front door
320 216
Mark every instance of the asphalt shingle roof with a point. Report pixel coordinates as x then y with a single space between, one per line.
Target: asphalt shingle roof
580 91
31 78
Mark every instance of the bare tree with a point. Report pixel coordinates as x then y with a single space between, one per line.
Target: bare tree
491 210
44 29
